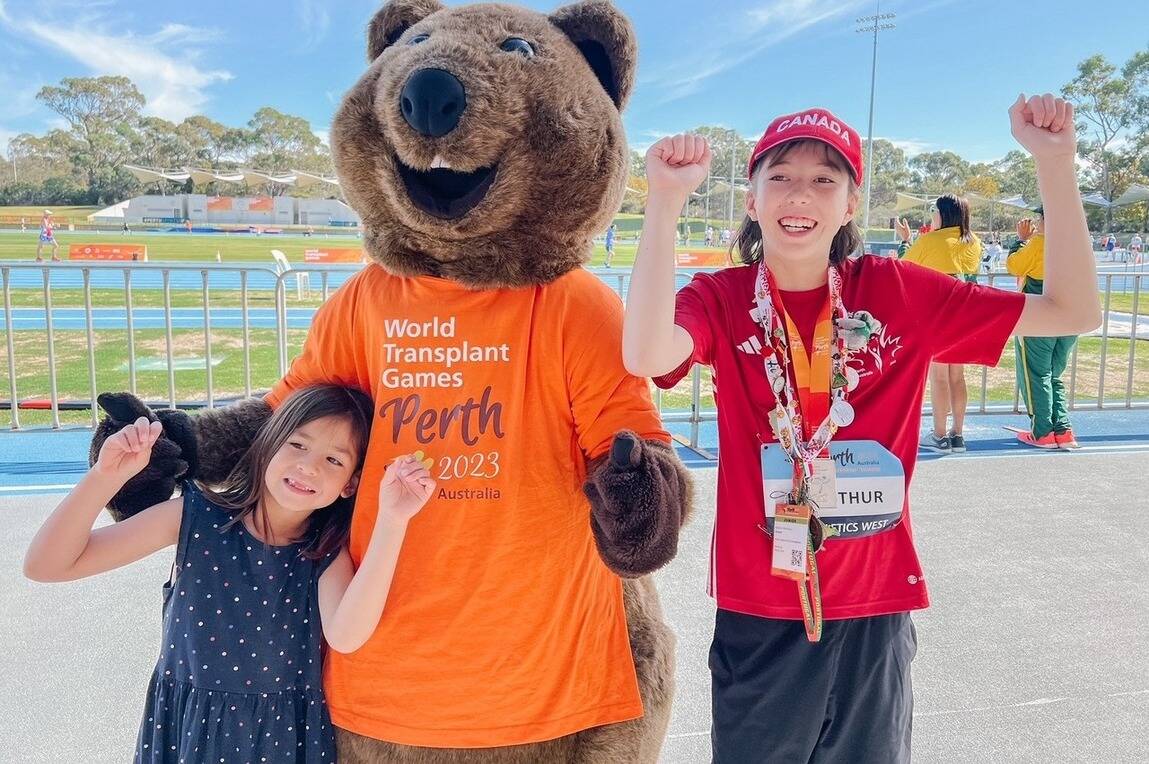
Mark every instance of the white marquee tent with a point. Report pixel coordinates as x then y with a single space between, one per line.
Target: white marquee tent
296 178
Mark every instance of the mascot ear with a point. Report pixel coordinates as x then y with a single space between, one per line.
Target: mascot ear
393 19
606 40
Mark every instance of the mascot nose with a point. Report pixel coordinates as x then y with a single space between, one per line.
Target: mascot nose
432 102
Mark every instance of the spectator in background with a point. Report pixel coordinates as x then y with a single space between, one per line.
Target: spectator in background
1040 360
1136 245
610 244
948 247
47 236
993 254
1026 228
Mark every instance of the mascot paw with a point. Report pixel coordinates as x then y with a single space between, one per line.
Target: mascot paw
638 498
173 455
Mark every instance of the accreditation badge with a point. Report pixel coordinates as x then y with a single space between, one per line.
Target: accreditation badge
868 486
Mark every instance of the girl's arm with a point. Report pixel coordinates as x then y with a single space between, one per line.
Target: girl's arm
652 344
351 601
1043 125
66 548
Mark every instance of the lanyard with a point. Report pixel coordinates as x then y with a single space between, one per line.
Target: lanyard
811 374
806 443
809 403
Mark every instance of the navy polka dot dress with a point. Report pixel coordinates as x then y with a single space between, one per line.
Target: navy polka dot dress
239 677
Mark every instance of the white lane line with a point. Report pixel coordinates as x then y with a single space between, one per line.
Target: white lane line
1031 703
1028 703
41 487
1031 452
1025 704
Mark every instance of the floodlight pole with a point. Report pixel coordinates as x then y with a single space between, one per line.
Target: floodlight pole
708 197
730 215
874 24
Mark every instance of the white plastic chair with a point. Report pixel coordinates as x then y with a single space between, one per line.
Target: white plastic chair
302 278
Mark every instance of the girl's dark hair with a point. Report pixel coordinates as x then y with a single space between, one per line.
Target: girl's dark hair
954 213
241 492
748 240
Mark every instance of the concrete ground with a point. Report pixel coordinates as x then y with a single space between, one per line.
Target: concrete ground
1036 649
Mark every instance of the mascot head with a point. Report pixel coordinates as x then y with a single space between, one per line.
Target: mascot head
484 144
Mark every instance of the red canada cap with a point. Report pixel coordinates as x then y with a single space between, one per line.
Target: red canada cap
813 124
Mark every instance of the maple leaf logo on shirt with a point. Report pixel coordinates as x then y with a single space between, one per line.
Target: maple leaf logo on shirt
881 352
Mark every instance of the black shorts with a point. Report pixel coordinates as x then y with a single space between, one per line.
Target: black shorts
776 697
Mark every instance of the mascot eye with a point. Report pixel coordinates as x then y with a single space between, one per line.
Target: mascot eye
518 45
418 39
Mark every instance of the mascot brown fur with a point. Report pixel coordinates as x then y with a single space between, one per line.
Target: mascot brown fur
484 146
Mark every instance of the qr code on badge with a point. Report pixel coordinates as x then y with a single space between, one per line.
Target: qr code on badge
796 558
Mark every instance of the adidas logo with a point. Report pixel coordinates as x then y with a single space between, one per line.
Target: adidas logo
752 346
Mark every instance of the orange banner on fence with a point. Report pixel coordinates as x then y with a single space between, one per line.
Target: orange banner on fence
261 204
108 252
328 255
219 204
705 258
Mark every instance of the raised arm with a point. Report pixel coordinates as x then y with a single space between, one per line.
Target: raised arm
66 548
652 344
1043 125
352 601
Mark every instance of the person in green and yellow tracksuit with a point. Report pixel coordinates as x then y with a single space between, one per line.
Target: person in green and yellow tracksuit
1040 360
949 248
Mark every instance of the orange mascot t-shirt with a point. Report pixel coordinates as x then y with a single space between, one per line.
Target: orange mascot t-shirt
503 625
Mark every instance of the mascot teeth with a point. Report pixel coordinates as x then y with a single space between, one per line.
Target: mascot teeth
445 193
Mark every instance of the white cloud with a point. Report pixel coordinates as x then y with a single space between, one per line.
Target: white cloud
162 65
19 96
912 146
758 29
314 22
6 136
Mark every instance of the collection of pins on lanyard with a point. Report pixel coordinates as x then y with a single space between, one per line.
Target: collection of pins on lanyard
785 417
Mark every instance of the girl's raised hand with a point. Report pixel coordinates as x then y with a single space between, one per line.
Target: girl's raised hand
1043 125
405 488
676 164
902 229
128 451
1025 229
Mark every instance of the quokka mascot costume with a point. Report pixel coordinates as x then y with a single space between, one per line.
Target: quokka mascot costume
483 149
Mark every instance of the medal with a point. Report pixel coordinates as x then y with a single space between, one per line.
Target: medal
851 379
821 381
841 413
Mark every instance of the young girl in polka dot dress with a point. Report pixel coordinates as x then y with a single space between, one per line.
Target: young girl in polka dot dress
261 577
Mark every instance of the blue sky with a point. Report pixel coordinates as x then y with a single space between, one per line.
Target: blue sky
946 74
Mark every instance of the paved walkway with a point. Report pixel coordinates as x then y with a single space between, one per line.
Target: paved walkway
1035 649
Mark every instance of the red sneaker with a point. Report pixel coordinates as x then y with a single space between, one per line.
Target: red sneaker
1048 440
1066 441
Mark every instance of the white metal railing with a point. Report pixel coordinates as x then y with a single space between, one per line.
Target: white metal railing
245 283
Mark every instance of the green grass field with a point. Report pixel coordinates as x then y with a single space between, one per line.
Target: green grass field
229 378
72 375
238 248
34 211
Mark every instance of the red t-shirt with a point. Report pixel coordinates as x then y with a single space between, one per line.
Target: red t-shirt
926 316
